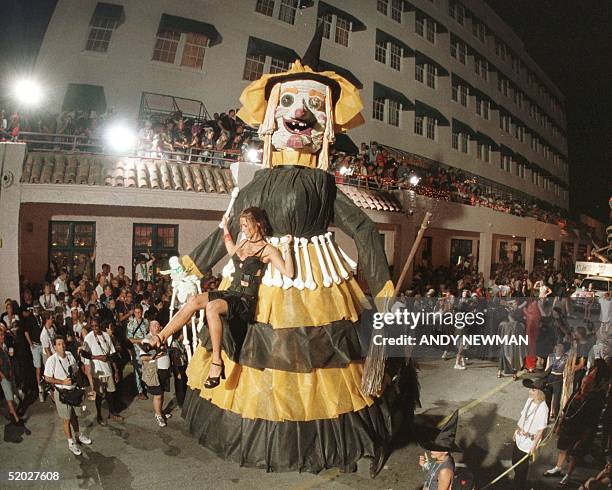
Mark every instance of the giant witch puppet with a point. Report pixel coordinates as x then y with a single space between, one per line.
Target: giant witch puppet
292 400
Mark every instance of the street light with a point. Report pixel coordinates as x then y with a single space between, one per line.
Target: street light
414 180
120 138
28 92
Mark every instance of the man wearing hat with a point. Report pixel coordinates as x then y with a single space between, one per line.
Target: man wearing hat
529 431
438 462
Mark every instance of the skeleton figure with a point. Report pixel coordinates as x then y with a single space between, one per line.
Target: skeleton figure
183 287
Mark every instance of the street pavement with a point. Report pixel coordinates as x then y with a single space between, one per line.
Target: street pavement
138 454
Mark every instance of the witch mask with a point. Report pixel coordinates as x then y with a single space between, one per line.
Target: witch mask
300 116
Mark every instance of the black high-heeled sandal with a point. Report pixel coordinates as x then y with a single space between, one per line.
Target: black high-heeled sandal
212 382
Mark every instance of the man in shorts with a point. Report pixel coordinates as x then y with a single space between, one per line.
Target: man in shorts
58 370
101 371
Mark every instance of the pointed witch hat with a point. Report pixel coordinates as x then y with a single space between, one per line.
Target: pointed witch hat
346 99
445 438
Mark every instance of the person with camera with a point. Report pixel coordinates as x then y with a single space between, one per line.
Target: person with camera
60 371
101 370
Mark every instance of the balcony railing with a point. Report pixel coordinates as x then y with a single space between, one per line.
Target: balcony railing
84 144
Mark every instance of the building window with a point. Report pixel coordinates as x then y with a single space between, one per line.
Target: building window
455 141
193 51
265 7
71 246
166 46
419 73
382 6
483 152
343 28
431 31
419 25
287 10
418 125
380 53
254 66
393 115
277 65
396 10
464 142
327 25
460 94
160 240
431 128
459 248
482 108
100 34
458 50
481 67
506 163
431 76
396 57
378 110
479 30
456 10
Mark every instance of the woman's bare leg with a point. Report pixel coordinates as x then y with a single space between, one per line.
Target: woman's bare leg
194 303
214 310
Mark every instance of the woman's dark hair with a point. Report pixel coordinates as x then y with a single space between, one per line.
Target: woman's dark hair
259 217
58 337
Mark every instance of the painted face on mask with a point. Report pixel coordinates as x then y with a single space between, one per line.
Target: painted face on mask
300 116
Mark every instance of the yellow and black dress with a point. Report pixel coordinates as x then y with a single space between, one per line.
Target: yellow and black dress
292 399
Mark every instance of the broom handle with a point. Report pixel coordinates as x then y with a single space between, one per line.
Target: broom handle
412 253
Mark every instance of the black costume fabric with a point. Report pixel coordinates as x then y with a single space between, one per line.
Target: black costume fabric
277 410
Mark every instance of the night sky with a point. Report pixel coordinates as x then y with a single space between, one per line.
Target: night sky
571 40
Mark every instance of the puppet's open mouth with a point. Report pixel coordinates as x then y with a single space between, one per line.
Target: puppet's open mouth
296 126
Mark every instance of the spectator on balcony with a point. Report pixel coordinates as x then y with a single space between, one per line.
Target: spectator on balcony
145 139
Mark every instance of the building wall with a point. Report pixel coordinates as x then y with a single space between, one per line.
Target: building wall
126 71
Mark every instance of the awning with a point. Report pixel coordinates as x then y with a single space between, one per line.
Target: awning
327 66
487 140
326 8
507 151
260 46
109 11
461 127
181 24
423 109
522 160
345 144
481 95
421 59
383 37
383 91
457 80
84 98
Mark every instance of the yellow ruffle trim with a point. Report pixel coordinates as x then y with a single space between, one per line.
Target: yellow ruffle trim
280 395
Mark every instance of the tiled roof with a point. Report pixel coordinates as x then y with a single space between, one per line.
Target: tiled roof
142 173
370 199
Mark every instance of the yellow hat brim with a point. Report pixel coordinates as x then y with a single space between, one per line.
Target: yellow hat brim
347 109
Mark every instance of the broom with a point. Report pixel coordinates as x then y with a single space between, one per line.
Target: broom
374 369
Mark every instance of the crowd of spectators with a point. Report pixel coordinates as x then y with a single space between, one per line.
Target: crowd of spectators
568 356
159 136
79 311
376 167
223 137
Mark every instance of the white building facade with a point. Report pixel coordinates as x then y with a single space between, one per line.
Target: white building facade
442 79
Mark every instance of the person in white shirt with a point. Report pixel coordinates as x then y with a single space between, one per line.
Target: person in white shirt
47 335
162 360
102 282
60 283
58 371
47 299
543 290
143 270
530 429
101 370
605 315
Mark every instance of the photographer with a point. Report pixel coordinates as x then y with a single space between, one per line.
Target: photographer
60 370
102 371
